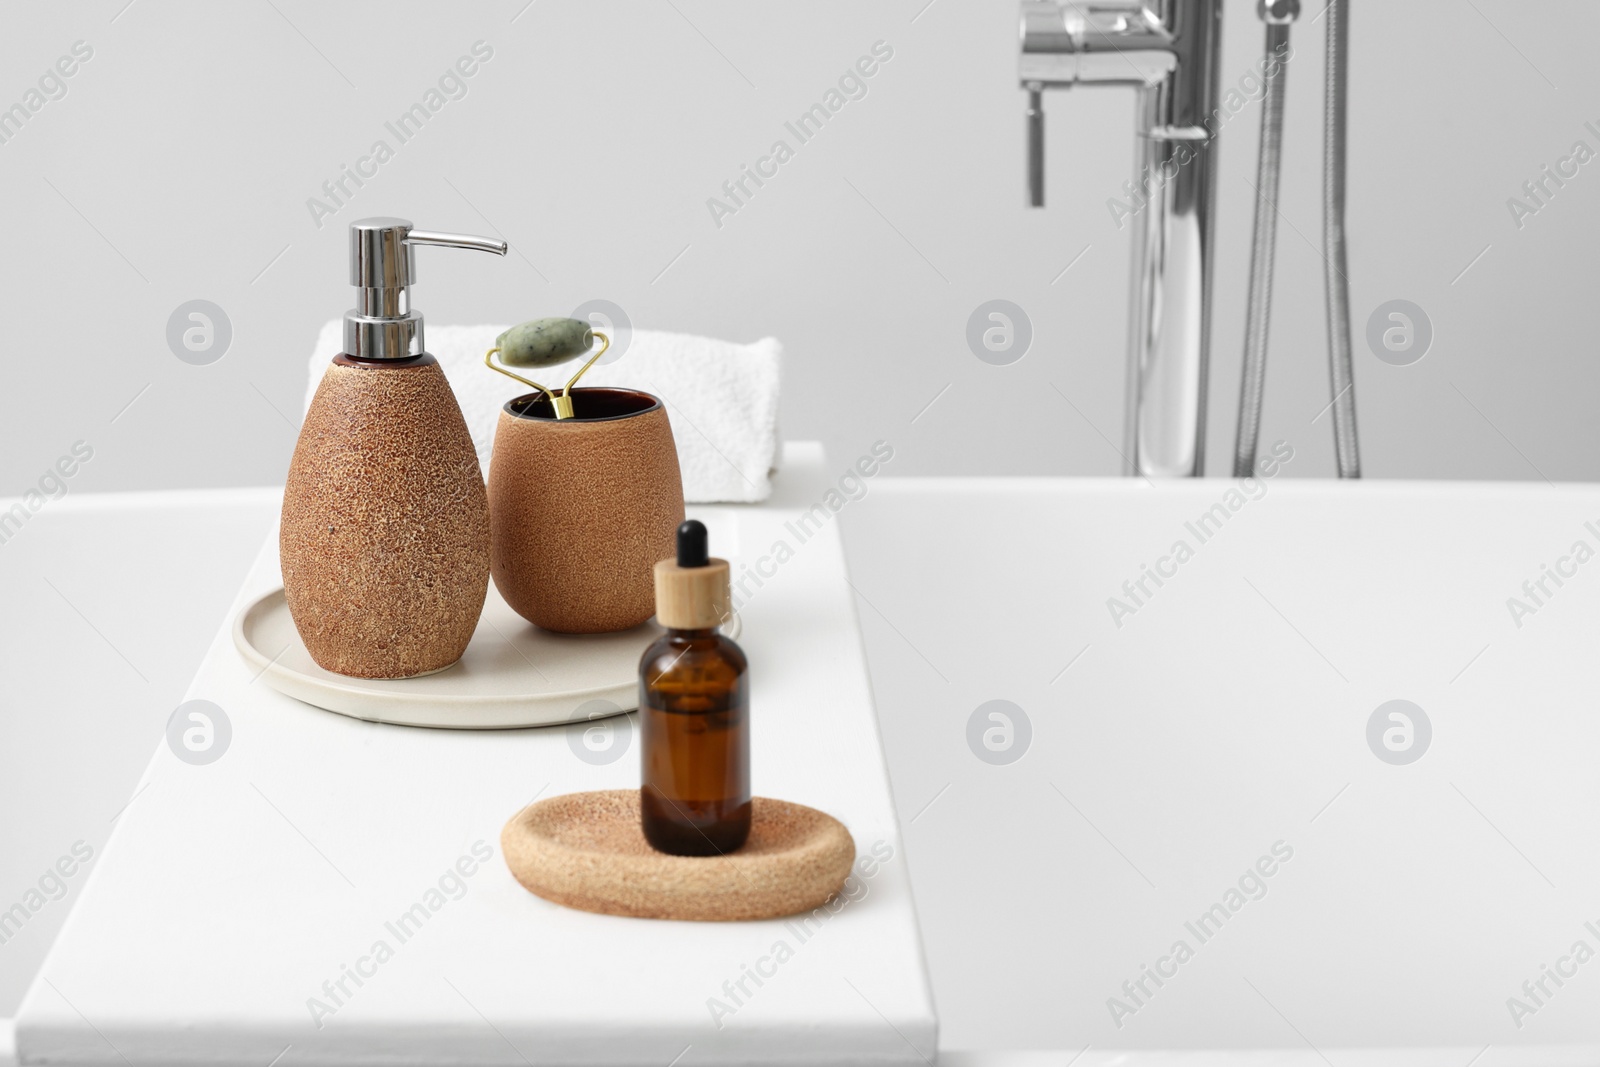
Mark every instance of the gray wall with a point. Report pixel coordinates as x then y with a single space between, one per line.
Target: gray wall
179 162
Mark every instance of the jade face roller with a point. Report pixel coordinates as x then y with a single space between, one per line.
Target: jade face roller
547 343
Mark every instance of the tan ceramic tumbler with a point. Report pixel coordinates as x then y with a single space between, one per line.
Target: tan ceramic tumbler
581 509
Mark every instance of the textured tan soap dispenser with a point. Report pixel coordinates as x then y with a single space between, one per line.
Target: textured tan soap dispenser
385 533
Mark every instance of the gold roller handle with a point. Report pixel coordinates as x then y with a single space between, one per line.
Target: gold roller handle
562 402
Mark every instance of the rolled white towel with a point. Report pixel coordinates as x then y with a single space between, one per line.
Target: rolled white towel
721 398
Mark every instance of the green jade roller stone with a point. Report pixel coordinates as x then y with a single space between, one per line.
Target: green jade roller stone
544 342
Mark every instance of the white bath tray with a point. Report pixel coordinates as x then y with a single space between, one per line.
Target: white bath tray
513 674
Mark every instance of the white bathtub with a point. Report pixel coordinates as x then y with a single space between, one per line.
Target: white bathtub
1226 716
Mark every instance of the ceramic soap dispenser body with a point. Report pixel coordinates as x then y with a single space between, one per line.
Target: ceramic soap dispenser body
384 538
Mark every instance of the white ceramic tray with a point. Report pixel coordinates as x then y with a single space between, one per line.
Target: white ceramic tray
513 673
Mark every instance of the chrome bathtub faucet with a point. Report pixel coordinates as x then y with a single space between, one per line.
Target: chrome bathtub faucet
1169 52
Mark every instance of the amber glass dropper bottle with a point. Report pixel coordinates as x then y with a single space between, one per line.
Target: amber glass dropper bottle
694 711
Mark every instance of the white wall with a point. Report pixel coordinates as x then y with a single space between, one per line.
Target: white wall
179 163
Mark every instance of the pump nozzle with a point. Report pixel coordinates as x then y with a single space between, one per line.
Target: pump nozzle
457 240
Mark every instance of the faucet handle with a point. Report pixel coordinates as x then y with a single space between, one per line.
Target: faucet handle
1035 145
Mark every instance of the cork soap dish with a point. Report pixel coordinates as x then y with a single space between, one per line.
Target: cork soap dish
586 851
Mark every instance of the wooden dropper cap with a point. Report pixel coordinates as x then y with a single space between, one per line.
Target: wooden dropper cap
692 591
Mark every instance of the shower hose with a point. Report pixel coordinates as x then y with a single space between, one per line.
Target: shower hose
1264 241
1340 377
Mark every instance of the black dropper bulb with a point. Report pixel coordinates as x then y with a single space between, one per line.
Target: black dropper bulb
692 550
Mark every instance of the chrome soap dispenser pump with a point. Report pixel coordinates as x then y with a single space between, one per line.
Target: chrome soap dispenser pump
384 539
